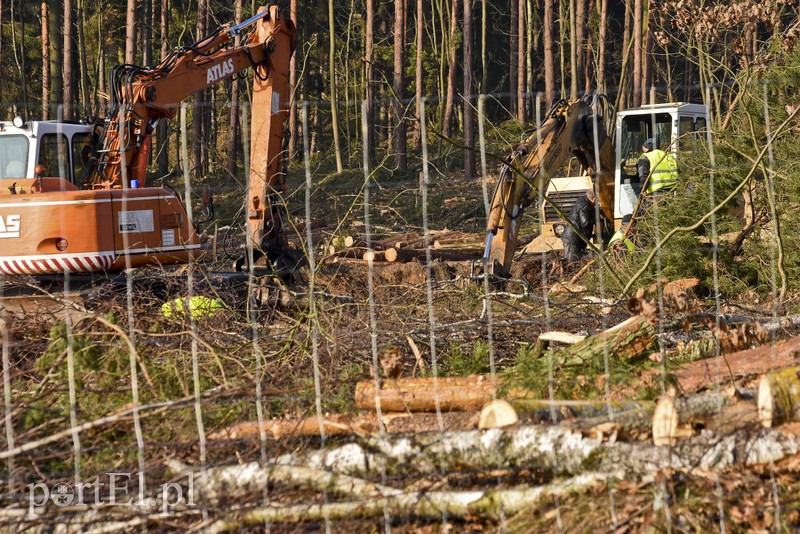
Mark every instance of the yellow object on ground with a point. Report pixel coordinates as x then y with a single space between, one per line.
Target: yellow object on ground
196 306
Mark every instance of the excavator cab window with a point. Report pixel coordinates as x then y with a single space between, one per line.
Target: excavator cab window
81 153
636 129
54 155
13 156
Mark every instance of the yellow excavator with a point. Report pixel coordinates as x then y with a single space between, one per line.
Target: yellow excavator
578 129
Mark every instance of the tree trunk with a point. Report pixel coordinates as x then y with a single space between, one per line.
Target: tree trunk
369 52
399 141
580 36
293 130
198 106
45 63
147 33
469 112
637 53
56 53
333 87
130 33
531 48
84 66
549 52
563 29
447 121
624 78
233 114
631 339
513 57
647 58
69 61
418 81
573 49
601 54
484 47
521 71
162 134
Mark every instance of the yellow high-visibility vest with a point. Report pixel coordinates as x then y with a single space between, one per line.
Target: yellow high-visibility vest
663 171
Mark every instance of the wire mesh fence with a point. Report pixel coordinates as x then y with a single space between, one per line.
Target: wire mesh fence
348 396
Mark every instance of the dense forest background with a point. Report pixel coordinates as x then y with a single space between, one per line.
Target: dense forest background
395 53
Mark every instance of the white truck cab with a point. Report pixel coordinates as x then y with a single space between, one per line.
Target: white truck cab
61 148
668 124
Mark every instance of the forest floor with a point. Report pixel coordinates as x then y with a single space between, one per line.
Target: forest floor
307 360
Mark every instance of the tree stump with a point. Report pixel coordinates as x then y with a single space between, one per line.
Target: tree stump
779 397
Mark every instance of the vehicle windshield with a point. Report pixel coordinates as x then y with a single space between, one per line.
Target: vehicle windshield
636 130
13 156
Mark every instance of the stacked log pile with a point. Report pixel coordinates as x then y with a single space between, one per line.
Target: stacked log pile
444 245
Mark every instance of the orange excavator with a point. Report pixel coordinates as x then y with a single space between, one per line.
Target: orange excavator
111 220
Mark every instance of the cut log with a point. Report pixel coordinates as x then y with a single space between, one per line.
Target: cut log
497 414
428 504
751 362
779 397
562 337
421 394
555 450
631 339
408 254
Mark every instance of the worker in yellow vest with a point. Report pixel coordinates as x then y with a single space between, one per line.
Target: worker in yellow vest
660 166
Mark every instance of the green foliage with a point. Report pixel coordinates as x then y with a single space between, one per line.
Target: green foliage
586 380
460 362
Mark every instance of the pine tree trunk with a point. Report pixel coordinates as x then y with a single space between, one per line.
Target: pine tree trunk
84 66
484 48
513 57
563 30
233 114
369 74
45 63
580 36
56 66
638 44
147 33
447 121
418 81
520 62
601 53
130 33
573 50
69 61
624 78
162 134
549 52
293 131
333 90
469 113
647 59
531 48
198 106
399 137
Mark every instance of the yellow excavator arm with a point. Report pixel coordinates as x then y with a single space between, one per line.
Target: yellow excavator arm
572 128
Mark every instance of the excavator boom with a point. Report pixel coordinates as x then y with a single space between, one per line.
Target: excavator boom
572 128
110 222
